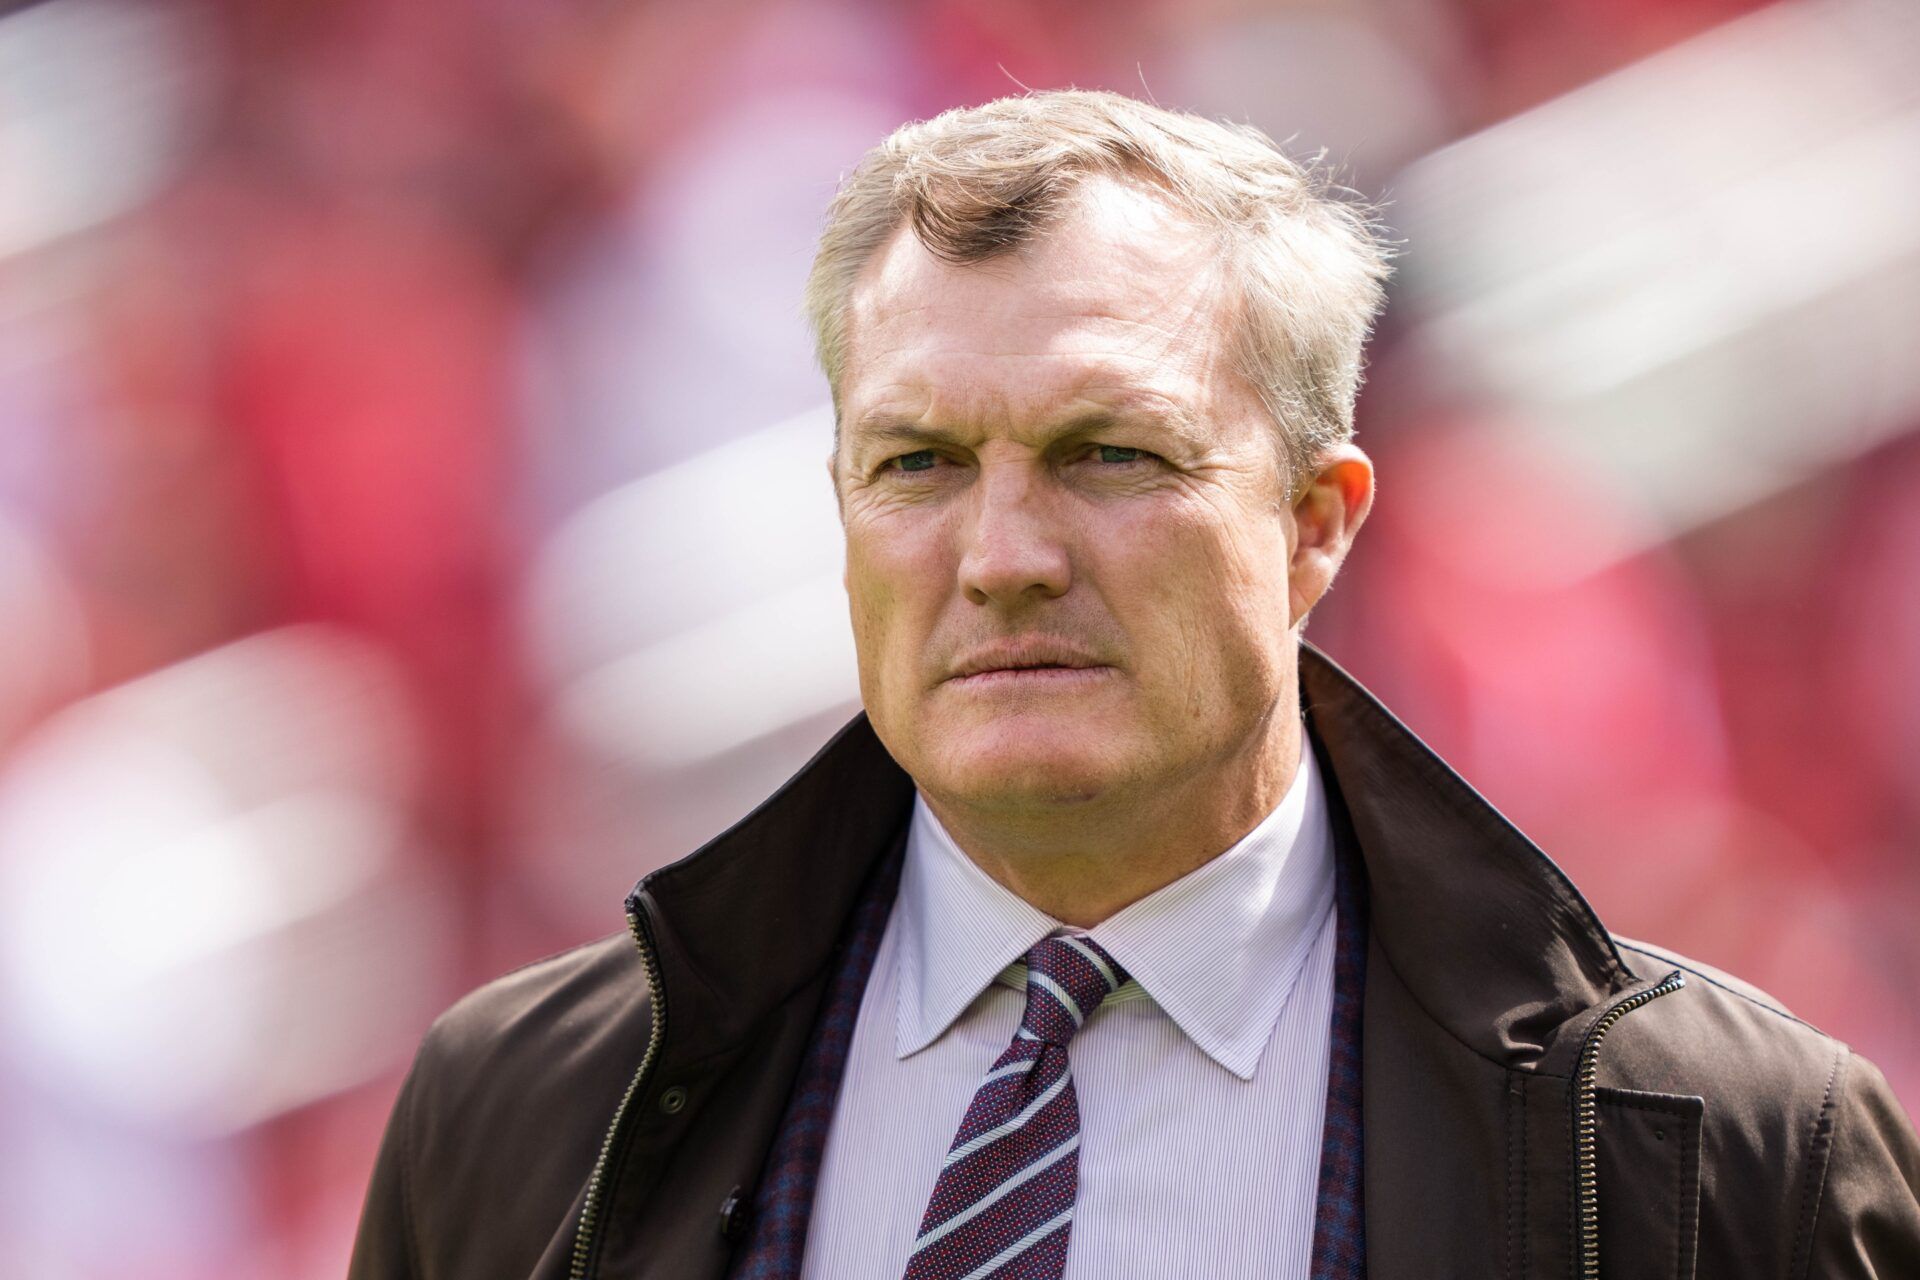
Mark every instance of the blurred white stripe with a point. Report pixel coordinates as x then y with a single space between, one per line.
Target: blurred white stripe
1698 277
99 101
206 912
700 608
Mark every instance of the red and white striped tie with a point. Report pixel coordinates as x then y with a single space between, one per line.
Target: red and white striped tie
1002 1208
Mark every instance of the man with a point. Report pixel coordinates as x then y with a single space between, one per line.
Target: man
1123 935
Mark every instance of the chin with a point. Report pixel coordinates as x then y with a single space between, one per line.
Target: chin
1025 760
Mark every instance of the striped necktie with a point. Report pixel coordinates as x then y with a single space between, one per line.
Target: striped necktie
1003 1204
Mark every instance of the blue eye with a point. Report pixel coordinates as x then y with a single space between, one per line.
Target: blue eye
918 460
1120 453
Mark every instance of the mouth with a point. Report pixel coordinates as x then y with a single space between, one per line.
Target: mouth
1030 663
1032 674
1031 678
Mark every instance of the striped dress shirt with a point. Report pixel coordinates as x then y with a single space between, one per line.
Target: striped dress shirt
1202 1082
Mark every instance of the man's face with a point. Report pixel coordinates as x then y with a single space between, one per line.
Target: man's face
1068 532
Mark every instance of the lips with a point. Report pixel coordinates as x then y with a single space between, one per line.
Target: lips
1027 654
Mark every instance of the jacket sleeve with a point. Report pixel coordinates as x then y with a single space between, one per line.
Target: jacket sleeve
1867 1222
383 1247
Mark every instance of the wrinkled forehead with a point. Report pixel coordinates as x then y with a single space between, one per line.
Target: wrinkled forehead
1117 287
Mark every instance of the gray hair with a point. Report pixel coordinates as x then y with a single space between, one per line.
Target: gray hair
1309 258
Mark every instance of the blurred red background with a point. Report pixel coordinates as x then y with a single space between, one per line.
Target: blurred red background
412 527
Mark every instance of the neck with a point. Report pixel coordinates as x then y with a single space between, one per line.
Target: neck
1081 864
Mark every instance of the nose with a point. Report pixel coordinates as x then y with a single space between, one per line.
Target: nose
1014 552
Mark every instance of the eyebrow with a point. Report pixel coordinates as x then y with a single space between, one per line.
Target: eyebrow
886 429
881 427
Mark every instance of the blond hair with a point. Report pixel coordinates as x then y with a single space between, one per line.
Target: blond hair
976 182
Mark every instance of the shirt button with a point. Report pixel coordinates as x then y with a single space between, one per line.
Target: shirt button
673 1100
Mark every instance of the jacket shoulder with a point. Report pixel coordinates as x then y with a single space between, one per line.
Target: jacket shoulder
1685 1042
1794 1118
555 1039
504 1110
1656 956
555 1002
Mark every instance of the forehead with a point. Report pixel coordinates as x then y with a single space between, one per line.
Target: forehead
1118 295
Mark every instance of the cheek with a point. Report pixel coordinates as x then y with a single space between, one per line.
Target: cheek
1206 592
895 582
870 602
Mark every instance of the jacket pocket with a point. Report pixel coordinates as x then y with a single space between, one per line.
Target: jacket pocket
1649 1151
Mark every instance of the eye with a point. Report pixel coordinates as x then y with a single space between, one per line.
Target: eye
1114 453
918 460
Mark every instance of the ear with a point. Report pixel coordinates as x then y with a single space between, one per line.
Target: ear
1329 511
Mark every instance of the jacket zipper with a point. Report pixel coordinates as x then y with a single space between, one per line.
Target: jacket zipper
1586 1126
583 1240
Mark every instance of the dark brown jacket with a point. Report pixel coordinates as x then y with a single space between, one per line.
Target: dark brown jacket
594 1113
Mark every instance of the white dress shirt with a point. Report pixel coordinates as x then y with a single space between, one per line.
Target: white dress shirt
1202 1082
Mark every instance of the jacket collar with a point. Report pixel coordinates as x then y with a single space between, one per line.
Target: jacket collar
1489 936
1487 933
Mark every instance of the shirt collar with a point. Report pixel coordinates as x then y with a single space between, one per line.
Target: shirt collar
1219 950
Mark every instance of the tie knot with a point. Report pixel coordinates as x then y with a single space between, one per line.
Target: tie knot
1067 978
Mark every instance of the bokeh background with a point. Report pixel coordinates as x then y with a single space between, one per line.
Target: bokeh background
412 525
